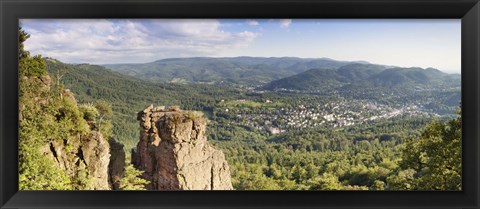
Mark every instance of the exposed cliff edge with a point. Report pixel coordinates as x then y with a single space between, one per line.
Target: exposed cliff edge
174 153
87 153
72 144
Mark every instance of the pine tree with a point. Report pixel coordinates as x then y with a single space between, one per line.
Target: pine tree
132 180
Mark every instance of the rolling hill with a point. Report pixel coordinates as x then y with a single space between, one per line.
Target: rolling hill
240 70
363 76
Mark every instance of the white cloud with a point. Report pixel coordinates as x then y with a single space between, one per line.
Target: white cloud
252 22
115 41
285 23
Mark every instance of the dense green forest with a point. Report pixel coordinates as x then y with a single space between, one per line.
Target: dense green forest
238 70
313 129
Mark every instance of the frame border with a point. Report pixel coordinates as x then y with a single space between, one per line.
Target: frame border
13 10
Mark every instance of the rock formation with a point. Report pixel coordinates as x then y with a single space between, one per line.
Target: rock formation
116 168
85 153
96 155
174 153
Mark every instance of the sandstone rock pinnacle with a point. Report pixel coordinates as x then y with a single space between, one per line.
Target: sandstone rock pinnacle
174 153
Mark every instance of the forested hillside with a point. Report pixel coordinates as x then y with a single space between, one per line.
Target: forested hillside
237 70
365 76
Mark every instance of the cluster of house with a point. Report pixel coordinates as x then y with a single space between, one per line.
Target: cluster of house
333 114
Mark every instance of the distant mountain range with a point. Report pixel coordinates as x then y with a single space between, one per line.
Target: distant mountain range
364 76
240 70
283 73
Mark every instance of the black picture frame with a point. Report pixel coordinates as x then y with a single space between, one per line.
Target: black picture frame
13 10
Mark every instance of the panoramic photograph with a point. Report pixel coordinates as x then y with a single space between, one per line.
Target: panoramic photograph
240 104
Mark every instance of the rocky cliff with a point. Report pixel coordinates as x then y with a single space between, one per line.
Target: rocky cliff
174 153
84 156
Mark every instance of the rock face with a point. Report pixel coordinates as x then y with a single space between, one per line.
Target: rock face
116 168
174 153
87 152
96 153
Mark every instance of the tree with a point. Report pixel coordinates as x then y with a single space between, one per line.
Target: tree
327 181
435 156
299 174
402 180
104 119
90 113
22 37
378 185
98 115
132 179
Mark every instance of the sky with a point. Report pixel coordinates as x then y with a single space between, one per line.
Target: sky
406 43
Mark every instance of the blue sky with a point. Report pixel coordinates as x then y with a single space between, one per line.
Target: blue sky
406 43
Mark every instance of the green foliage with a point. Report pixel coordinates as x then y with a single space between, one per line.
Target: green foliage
132 179
193 115
327 181
22 37
402 180
104 123
69 118
82 180
98 115
104 108
106 128
378 185
434 158
37 172
32 66
90 113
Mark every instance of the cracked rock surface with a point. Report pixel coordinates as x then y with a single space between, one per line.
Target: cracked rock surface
174 153
88 152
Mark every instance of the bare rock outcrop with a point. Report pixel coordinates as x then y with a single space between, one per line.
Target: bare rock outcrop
88 152
174 153
116 168
96 153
